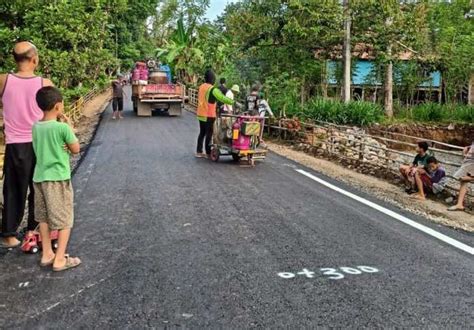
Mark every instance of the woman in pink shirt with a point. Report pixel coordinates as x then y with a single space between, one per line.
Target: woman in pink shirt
20 112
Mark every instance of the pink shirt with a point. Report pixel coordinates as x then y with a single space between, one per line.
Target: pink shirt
20 110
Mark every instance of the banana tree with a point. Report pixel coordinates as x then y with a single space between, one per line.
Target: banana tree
182 54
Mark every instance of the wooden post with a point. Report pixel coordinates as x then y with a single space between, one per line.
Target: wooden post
331 141
361 149
324 82
389 86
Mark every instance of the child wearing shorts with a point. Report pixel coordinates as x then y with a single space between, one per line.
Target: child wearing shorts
430 179
54 209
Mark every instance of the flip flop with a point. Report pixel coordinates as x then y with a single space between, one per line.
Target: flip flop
69 264
47 263
6 246
455 208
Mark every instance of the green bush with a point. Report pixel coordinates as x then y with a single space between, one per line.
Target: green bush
363 113
354 113
429 112
464 113
435 112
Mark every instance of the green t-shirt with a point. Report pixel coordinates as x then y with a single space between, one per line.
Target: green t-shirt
421 159
52 161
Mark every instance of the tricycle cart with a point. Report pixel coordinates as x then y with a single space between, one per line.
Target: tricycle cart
238 136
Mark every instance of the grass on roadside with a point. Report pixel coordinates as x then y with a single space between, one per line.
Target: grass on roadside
361 113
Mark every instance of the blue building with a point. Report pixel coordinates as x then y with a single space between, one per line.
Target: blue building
366 79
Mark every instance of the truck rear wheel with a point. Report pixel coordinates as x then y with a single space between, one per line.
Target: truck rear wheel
143 109
175 110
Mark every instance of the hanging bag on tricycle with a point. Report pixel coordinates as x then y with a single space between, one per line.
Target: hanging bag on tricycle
251 128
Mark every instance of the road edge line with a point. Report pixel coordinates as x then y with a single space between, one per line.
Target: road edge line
399 217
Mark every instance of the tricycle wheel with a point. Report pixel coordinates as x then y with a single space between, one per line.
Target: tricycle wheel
215 154
236 157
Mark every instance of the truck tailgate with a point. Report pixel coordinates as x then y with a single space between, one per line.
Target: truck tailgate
163 89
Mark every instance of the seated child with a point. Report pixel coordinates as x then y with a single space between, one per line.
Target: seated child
408 171
430 179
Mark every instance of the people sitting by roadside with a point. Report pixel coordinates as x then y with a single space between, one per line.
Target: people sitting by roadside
430 179
465 175
408 171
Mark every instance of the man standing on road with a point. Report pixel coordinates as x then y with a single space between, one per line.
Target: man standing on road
20 112
208 96
117 97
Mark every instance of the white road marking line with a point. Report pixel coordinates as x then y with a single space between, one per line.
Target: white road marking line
70 296
399 217
52 306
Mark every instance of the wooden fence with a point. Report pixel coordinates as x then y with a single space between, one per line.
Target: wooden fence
75 109
384 150
377 151
193 97
74 112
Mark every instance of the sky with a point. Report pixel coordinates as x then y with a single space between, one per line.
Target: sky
217 7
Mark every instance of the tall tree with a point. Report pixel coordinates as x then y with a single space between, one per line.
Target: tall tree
391 28
81 42
347 53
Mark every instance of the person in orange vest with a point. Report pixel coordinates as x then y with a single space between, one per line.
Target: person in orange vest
208 96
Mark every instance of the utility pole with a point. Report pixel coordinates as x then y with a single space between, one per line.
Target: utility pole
346 89
389 77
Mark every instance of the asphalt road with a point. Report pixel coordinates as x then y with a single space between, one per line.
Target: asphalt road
169 240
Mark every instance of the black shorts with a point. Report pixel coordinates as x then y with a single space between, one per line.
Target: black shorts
117 103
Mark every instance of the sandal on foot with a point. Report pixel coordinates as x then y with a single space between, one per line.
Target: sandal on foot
454 208
47 263
70 263
6 246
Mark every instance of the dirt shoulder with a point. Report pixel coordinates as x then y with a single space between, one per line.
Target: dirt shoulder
87 126
384 190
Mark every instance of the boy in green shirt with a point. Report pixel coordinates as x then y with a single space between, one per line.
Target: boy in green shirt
54 210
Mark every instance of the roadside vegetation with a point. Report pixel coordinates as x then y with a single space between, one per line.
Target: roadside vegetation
283 45
81 43
286 48
361 113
